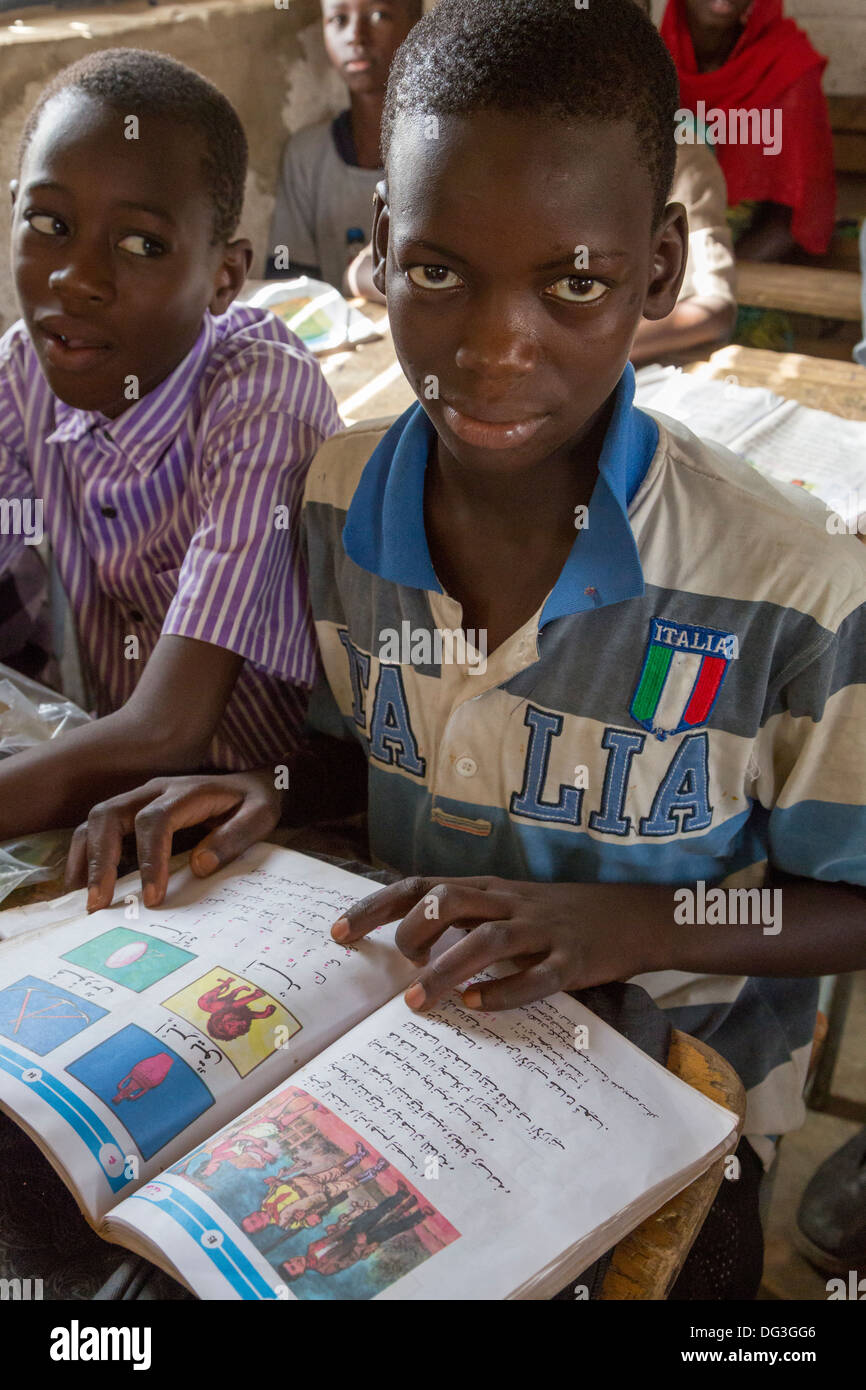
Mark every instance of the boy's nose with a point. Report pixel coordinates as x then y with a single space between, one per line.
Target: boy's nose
498 342
83 278
358 30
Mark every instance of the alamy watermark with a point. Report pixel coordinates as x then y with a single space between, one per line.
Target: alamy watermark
20 1290
853 1289
735 126
22 517
77 1343
732 907
846 516
440 646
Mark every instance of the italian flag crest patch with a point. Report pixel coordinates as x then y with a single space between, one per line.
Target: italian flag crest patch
682 674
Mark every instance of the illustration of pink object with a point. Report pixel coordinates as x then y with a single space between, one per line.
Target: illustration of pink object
145 1076
127 955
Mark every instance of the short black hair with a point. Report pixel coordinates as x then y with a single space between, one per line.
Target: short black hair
136 82
602 63
415 8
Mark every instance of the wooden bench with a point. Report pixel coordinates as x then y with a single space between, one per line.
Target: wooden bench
646 1262
848 120
798 289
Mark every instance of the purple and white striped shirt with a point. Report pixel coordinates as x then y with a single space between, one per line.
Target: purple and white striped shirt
180 516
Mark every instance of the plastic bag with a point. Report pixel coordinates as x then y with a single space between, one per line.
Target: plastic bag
35 859
30 714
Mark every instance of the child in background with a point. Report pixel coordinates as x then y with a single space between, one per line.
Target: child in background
673 644
745 55
324 205
166 433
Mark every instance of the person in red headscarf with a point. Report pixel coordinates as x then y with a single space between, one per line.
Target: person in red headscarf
744 55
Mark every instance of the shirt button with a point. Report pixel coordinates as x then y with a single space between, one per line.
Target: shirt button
107 435
467 767
136 615
110 512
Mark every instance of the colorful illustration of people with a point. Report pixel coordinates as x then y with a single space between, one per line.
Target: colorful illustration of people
315 1199
296 1200
247 1147
357 1234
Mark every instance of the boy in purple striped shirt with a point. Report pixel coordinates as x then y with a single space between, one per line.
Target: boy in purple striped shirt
165 432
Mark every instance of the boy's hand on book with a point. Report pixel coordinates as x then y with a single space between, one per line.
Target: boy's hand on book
562 936
246 805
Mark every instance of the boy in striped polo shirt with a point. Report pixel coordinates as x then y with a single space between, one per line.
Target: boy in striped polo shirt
164 433
668 709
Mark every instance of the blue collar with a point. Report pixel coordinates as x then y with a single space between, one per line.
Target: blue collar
384 530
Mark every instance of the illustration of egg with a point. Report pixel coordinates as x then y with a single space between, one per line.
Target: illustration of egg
126 955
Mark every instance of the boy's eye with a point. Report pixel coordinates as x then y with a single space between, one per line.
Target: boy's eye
578 289
141 245
46 223
433 277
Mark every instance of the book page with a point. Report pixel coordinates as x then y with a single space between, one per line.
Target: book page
783 440
457 1155
128 1036
815 450
715 410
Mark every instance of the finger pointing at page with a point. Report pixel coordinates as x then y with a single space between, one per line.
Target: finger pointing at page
424 907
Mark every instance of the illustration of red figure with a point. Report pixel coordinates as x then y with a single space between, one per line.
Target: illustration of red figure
232 1016
294 1110
247 1149
144 1076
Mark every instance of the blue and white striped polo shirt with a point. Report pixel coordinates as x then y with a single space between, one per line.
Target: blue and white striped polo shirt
687 705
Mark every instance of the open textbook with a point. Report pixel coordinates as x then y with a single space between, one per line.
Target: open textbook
254 1108
786 441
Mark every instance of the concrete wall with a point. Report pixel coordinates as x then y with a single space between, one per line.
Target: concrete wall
270 63
837 28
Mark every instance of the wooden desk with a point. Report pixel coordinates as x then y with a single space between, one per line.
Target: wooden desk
368 381
646 1263
839 387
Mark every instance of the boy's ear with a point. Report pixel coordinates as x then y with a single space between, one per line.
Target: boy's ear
668 262
231 274
379 239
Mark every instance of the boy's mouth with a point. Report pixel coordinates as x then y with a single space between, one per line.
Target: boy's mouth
491 434
69 347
